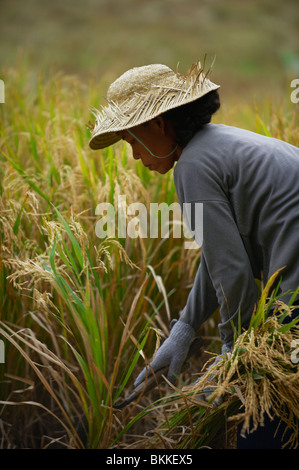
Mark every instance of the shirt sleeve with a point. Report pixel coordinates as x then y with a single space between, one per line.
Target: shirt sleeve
202 301
225 275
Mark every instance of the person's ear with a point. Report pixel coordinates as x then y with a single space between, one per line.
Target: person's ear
160 123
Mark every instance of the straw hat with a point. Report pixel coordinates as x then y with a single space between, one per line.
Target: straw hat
141 94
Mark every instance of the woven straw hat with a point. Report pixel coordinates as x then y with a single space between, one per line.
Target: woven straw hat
141 94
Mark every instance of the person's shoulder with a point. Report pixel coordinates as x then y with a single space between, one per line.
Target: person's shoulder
215 139
200 155
210 136
207 141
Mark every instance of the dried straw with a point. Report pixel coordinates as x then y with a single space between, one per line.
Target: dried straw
261 374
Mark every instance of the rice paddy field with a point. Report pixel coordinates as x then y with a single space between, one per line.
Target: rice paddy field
79 313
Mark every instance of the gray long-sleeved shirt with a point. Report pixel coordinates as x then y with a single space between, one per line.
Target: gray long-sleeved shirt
249 187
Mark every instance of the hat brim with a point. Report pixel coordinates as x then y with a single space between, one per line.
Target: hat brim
102 141
104 138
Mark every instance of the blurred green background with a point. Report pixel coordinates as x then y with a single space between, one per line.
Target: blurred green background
255 41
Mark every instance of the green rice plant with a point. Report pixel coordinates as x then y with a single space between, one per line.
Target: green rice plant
73 302
74 311
65 285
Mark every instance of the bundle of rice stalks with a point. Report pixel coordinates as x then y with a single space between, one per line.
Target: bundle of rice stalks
261 373
258 379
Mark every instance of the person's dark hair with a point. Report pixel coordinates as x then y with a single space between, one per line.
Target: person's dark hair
191 117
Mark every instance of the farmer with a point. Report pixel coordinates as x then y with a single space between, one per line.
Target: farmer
248 185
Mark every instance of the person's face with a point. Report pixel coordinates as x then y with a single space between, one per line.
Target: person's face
158 137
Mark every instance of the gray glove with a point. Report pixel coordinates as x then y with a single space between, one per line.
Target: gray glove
173 352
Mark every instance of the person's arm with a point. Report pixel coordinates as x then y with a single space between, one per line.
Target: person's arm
202 301
228 277
229 271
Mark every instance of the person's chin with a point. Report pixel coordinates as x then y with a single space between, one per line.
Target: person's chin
162 171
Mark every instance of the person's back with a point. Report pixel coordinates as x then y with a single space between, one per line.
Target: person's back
249 187
259 177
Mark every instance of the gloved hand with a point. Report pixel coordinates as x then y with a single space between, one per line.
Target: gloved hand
172 352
